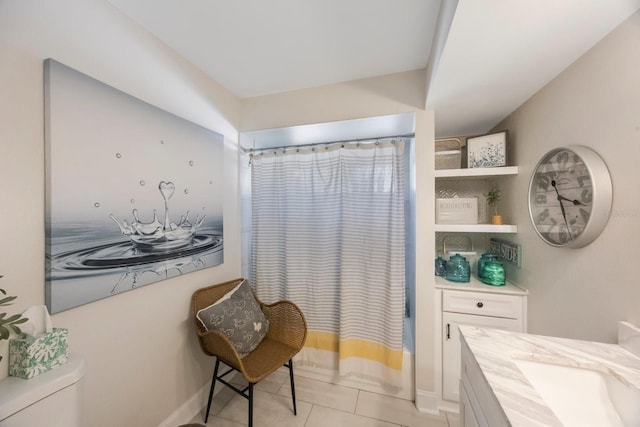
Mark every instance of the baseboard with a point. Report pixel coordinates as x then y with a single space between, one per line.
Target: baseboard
185 413
193 406
427 401
448 406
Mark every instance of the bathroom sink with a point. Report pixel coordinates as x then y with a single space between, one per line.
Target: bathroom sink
580 396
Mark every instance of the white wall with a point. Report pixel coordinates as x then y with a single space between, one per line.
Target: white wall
142 358
582 293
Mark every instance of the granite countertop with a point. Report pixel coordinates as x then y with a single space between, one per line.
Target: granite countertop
494 351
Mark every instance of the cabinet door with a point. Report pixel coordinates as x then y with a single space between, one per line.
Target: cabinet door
467 416
451 345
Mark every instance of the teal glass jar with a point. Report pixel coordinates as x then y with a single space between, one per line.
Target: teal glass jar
494 274
441 267
484 259
458 269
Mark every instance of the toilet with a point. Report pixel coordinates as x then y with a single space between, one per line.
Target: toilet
54 396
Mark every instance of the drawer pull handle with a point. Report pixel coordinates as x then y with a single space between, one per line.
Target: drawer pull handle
480 304
448 331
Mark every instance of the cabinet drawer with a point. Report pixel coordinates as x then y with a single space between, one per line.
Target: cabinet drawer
482 304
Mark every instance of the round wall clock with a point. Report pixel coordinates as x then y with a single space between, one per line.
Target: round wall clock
570 195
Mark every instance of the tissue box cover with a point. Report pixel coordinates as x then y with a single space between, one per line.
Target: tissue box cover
30 356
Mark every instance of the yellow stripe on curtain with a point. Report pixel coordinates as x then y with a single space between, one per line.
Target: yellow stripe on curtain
354 347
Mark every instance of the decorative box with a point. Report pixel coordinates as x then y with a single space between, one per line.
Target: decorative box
457 211
30 356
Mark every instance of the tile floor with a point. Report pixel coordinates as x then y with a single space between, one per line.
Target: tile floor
319 404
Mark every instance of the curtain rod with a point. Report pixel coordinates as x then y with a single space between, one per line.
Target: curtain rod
255 150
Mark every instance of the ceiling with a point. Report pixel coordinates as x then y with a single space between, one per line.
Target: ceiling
484 58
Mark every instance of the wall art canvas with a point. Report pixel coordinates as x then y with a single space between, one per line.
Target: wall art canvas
487 151
133 193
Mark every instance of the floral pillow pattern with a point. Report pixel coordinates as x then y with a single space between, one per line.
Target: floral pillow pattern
237 315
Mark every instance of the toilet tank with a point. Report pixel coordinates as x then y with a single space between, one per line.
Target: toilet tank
55 396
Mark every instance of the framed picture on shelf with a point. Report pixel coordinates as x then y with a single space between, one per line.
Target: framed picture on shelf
487 151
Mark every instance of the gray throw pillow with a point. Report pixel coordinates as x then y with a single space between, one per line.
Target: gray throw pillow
237 315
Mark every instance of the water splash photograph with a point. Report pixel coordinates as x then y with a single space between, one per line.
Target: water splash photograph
133 193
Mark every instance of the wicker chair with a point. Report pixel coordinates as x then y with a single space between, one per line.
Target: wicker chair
285 338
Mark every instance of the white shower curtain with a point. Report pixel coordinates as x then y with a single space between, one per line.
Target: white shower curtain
328 234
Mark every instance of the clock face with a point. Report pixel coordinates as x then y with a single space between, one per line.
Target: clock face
562 192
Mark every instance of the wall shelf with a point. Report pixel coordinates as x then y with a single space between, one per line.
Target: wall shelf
476 172
468 303
476 228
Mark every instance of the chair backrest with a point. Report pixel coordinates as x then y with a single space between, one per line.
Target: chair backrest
204 297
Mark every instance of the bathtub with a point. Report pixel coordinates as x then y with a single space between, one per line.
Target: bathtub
407 389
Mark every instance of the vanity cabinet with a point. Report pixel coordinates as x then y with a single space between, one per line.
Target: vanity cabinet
475 304
467 416
478 404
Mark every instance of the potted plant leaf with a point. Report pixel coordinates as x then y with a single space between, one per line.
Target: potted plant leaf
9 324
493 196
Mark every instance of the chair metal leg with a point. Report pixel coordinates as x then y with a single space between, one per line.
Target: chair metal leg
250 397
293 387
247 392
213 384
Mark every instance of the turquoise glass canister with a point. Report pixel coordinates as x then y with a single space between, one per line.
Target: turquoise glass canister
484 259
493 274
441 267
458 269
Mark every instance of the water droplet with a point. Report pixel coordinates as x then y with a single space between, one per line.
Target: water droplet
166 189
186 191
118 155
142 183
96 204
132 200
190 162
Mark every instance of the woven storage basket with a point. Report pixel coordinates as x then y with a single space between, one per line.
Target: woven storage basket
448 153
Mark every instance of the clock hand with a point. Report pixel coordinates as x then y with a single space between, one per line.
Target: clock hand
564 215
574 201
560 198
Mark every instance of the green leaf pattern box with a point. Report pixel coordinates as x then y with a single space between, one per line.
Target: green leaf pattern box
33 355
